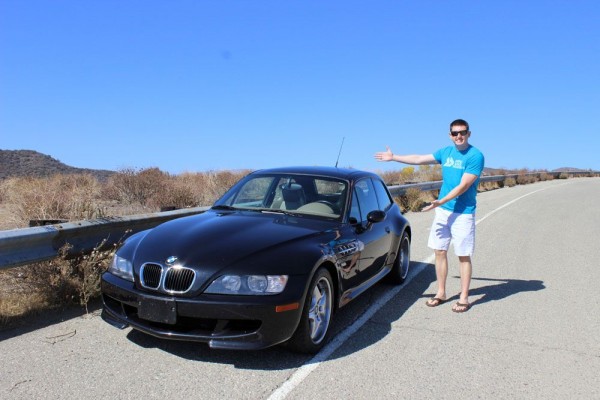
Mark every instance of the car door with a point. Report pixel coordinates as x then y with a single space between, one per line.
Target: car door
375 238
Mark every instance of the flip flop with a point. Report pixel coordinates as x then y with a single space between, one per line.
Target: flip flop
465 307
436 301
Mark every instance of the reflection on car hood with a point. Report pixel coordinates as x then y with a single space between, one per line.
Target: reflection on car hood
217 239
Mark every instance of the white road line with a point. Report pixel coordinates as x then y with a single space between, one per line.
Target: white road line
332 346
508 204
301 373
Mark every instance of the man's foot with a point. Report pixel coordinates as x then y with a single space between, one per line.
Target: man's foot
434 302
461 307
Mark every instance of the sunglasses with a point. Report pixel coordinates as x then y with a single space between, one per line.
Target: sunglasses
462 133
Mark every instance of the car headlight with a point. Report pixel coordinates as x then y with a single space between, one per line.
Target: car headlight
248 284
121 267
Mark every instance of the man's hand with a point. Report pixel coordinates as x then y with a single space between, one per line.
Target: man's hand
431 206
384 155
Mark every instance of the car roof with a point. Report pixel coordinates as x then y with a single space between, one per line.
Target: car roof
333 172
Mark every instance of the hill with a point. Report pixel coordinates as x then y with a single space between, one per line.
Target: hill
21 163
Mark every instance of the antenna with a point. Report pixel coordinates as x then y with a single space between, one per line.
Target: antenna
338 158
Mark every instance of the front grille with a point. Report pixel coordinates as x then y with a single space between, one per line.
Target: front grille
175 279
150 274
179 279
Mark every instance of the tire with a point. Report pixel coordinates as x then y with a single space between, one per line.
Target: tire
313 329
402 262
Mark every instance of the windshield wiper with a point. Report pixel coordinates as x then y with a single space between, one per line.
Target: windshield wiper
223 207
278 211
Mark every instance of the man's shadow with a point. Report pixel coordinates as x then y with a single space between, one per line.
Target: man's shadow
380 325
504 288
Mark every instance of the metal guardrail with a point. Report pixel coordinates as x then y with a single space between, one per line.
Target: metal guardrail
27 245
400 190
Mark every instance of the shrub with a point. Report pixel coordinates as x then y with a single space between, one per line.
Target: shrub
525 179
60 197
485 186
510 182
136 186
429 173
414 199
153 189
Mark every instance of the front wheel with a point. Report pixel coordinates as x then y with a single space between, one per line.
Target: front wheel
316 315
400 268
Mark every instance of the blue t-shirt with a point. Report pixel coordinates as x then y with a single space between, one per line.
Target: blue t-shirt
454 164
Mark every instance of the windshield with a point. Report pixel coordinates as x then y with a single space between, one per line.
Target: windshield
300 194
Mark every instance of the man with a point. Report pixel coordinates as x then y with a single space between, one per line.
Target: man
462 164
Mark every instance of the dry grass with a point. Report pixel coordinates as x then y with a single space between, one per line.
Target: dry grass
60 197
60 282
510 182
425 173
65 281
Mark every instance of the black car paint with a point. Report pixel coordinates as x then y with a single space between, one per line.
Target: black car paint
243 241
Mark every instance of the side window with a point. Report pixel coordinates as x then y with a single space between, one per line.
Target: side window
364 194
382 195
354 210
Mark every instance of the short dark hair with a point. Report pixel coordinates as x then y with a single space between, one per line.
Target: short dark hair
461 122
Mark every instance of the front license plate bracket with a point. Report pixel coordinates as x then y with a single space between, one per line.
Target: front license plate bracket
158 310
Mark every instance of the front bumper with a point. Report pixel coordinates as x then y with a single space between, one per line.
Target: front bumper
221 321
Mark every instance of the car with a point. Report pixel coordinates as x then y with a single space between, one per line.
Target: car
270 262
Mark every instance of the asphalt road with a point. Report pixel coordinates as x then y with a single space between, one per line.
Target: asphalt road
533 331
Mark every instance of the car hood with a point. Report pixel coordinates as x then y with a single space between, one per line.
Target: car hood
215 240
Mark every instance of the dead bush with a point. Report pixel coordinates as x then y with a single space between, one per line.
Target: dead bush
154 189
526 179
485 186
63 281
67 197
414 199
510 182
430 173
391 178
132 186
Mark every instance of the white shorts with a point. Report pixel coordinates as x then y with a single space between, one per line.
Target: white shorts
460 228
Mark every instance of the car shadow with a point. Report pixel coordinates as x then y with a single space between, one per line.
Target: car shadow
278 357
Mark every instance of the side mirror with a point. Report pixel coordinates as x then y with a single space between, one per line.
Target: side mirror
375 216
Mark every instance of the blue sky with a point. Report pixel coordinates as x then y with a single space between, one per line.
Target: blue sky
213 85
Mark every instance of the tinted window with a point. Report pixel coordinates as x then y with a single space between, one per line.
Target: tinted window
355 210
366 197
382 195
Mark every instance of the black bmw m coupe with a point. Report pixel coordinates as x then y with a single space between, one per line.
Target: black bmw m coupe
270 262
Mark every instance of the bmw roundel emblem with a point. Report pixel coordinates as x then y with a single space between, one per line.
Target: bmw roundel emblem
171 260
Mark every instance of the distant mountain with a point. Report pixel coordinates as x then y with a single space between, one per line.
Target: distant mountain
21 163
570 169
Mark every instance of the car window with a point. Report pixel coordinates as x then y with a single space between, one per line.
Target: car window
253 192
303 194
329 188
364 195
354 209
382 195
